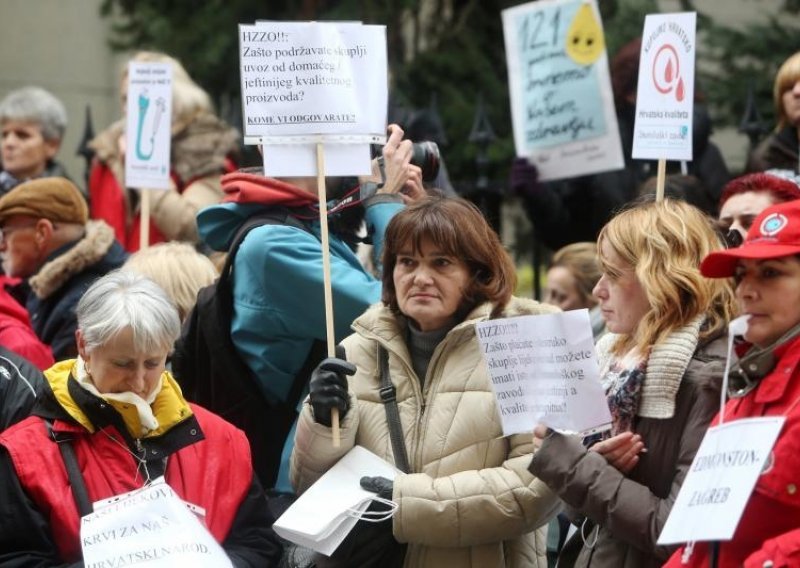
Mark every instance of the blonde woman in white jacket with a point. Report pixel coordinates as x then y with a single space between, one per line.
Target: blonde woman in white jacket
468 500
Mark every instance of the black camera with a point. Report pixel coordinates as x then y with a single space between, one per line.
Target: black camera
426 156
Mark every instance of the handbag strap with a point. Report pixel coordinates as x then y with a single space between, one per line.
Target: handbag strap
389 397
79 492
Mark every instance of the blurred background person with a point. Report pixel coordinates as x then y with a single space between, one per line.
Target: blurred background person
178 268
764 382
47 240
33 122
16 333
571 276
661 365
744 197
203 148
779 149
21 384
467 498
127 423
684 187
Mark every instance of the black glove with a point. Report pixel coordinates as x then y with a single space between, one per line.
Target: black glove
524 178
380 485
328 387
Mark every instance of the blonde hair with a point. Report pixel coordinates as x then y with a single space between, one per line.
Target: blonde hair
179 269
188 98
580 259
664 243
788 75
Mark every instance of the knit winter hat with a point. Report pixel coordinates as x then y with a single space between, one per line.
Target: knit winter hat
53 198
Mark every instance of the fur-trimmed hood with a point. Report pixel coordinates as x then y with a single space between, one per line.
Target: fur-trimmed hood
94 251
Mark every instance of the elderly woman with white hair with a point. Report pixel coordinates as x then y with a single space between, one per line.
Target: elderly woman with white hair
116 413
33 122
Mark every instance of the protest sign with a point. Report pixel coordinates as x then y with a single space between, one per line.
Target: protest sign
719 483
148 125
543 369
561 101
665 92
150 526
309 82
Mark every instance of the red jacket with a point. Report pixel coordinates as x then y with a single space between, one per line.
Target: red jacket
770 525
208 464
16 333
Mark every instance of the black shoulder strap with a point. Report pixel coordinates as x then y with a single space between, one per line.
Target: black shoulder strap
389 397
79 491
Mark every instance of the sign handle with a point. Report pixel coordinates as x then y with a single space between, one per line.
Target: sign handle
326 273
661 179
144 219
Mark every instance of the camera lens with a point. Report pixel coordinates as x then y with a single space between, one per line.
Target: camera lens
426 156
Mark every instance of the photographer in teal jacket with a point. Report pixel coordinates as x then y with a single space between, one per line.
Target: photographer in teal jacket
278 299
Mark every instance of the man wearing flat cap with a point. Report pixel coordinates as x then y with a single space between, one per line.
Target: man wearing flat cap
46 239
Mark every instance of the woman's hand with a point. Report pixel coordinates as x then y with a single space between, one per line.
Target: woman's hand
539 434
621 451
328 387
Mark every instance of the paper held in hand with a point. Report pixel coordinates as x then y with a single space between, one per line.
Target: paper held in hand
543 369
722 477
150 526
324 515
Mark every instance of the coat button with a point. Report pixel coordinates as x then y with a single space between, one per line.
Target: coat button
767 564
753 367
193 432
791 489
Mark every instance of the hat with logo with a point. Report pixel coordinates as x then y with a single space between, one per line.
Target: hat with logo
53 198
775 233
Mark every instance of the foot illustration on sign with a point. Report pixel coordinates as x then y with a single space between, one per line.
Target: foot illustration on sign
144 104
585 42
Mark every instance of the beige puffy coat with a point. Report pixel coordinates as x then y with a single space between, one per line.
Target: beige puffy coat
471 501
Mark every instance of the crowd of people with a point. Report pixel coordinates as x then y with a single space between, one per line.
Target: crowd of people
100 395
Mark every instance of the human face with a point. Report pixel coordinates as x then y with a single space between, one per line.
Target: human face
623 301
791 104
24 150
741 209
562 290
429 284
21 250
117 366
769 292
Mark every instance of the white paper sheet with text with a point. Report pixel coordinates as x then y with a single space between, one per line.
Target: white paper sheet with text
543 369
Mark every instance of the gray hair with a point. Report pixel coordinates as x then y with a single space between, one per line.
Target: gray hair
34 104
122 299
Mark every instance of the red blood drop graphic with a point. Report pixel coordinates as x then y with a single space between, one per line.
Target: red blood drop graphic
679 92
668 72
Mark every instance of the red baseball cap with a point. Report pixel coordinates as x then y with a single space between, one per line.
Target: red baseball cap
774 233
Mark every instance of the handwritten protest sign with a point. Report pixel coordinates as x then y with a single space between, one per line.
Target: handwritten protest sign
304 82
150 526
665 92
561 100
543 369
148 125
724 471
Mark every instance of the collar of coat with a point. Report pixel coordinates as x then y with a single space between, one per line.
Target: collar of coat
92 412
666 366
84 253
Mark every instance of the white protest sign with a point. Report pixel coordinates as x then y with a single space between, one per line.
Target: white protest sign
724 471
309 82
150 526
665 92
148 125
543 369
562 106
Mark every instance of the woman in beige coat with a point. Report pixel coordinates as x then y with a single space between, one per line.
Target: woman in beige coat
661 365
468 500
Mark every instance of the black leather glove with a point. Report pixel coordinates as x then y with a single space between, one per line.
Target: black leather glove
328 387
380 485
524 178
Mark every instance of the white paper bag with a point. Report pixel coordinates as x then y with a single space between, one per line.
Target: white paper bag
325 514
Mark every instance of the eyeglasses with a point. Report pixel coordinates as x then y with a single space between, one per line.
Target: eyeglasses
6 232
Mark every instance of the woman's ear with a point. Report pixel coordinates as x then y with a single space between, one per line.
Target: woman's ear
81 342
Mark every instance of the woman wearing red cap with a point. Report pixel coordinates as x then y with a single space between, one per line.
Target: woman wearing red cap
765 382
